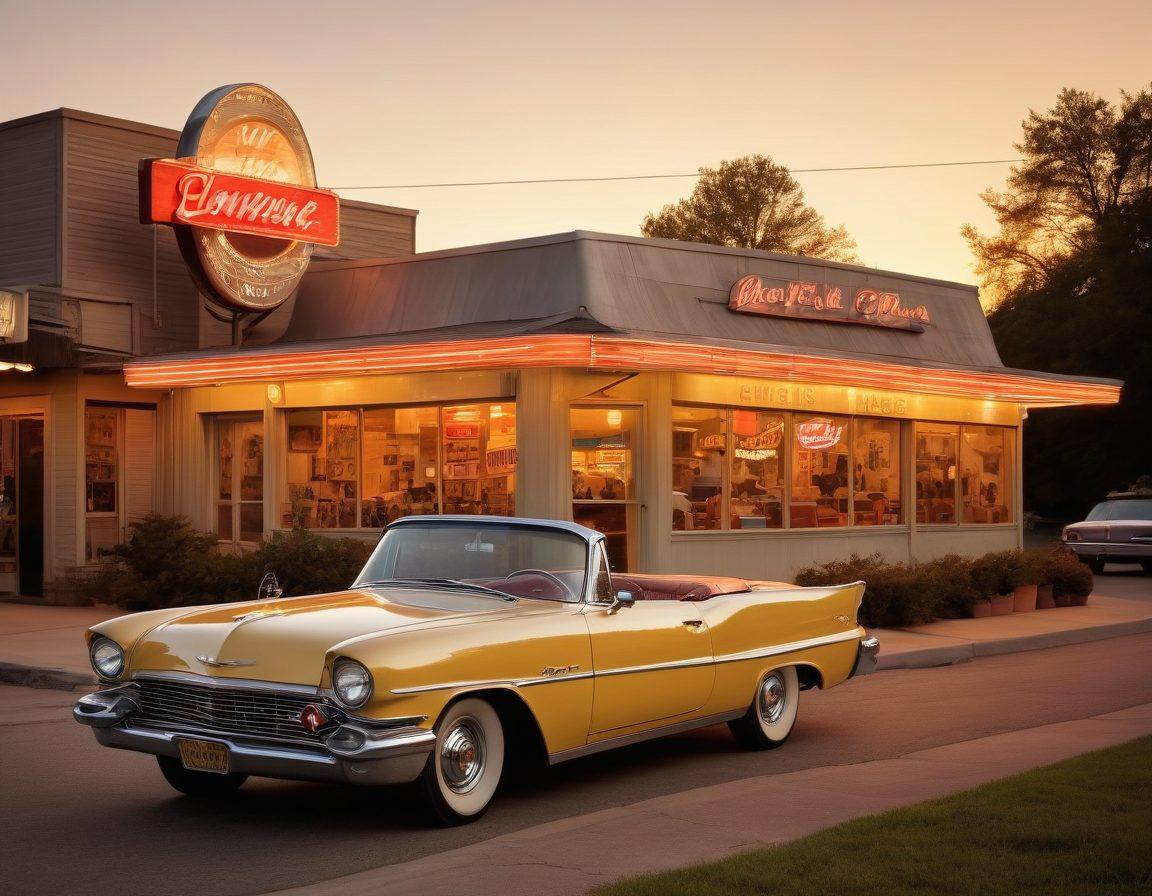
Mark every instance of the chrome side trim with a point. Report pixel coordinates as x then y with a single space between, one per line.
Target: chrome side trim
791 647
763 653
493 682
640 736
236 684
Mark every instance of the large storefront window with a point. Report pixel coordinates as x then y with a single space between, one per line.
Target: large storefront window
876 473
985 474
604 446
820 494
756 493
699 448
364 468
480 459
400 446
737 468
936 472
323 468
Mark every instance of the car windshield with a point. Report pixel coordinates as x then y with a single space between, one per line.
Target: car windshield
1128 509
516 560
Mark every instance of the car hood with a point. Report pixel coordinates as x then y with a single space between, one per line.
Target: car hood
287 640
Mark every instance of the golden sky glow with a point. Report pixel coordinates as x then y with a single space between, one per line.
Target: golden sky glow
395 92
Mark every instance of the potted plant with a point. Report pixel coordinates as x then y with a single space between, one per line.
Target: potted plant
1044 597
1071 580
995 576
1032 569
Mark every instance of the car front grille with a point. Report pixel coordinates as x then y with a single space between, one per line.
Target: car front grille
222 710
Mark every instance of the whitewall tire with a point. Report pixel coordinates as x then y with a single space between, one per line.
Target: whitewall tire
772 715
464 769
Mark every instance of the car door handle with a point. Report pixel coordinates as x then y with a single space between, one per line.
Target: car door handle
693 623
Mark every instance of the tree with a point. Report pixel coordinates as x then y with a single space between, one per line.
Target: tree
751 203
1072 264
1086 162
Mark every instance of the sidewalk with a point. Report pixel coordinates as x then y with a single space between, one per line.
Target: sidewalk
569 857
44 646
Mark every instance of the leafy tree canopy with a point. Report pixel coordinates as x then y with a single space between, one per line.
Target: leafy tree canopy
1072 264
1087 164
751 203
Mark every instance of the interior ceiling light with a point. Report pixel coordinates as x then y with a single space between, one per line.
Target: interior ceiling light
615 418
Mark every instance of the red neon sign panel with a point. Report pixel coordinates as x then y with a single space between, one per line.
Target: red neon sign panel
176 192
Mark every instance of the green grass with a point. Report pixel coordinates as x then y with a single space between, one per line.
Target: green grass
1083 826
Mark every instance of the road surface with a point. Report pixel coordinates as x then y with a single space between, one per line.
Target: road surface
81 818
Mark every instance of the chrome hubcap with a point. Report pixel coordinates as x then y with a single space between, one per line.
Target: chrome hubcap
462 755
773 699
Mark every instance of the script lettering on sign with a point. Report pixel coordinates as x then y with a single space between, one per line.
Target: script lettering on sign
822 301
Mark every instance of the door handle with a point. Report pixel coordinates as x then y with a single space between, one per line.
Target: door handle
693 623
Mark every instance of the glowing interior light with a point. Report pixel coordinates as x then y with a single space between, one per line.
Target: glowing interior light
615 418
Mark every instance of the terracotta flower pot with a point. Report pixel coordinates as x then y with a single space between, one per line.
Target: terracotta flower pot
981 609
1002 605
1044 599
1062 600
1024 599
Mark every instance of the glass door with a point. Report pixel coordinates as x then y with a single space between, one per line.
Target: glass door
604 450
240 479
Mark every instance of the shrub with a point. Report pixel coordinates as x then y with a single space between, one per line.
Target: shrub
165 562
997 573
895 594
948 580
1067 575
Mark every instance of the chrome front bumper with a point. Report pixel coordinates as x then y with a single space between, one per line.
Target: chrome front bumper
1116 551
866 655
353 753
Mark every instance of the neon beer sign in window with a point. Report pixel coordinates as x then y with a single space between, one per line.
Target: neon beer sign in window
819 434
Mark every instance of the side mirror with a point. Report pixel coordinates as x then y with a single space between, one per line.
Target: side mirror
622 599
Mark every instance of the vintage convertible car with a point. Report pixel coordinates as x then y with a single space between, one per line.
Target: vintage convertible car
465 644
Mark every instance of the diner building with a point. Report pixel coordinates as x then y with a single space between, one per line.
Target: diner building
711 410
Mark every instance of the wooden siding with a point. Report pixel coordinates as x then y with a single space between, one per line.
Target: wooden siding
372 231
106 326
108 253
30 212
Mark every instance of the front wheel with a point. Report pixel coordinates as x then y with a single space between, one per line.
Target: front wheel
1096 565
464 769
203 785
772 715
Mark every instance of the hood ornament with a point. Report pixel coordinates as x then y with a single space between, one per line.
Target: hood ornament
212 661
269 588
256 614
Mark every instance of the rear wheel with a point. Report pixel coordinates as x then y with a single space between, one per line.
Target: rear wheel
772 715
464 769
203 785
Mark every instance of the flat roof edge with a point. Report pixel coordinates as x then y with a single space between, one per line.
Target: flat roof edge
573 236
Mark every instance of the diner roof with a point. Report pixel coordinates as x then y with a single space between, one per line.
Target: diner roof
622 303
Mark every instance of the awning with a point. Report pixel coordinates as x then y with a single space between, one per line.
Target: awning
596 351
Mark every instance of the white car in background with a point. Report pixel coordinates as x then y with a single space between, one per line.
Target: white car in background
1117 530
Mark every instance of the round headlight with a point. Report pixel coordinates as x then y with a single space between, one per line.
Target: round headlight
107 657
351 682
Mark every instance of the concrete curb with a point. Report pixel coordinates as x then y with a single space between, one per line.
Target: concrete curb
34 677
950 654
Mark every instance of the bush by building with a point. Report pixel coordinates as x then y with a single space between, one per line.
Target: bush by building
165 562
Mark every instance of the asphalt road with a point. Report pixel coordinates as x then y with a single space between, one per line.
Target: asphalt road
82 819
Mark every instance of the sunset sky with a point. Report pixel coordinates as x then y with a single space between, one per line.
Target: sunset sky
399 93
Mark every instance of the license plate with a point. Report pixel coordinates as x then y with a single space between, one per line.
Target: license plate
204 756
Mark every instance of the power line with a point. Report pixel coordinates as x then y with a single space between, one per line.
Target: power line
581 180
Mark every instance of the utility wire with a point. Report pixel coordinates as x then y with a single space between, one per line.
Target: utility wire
578 180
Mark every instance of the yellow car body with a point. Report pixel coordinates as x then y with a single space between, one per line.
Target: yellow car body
573 676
